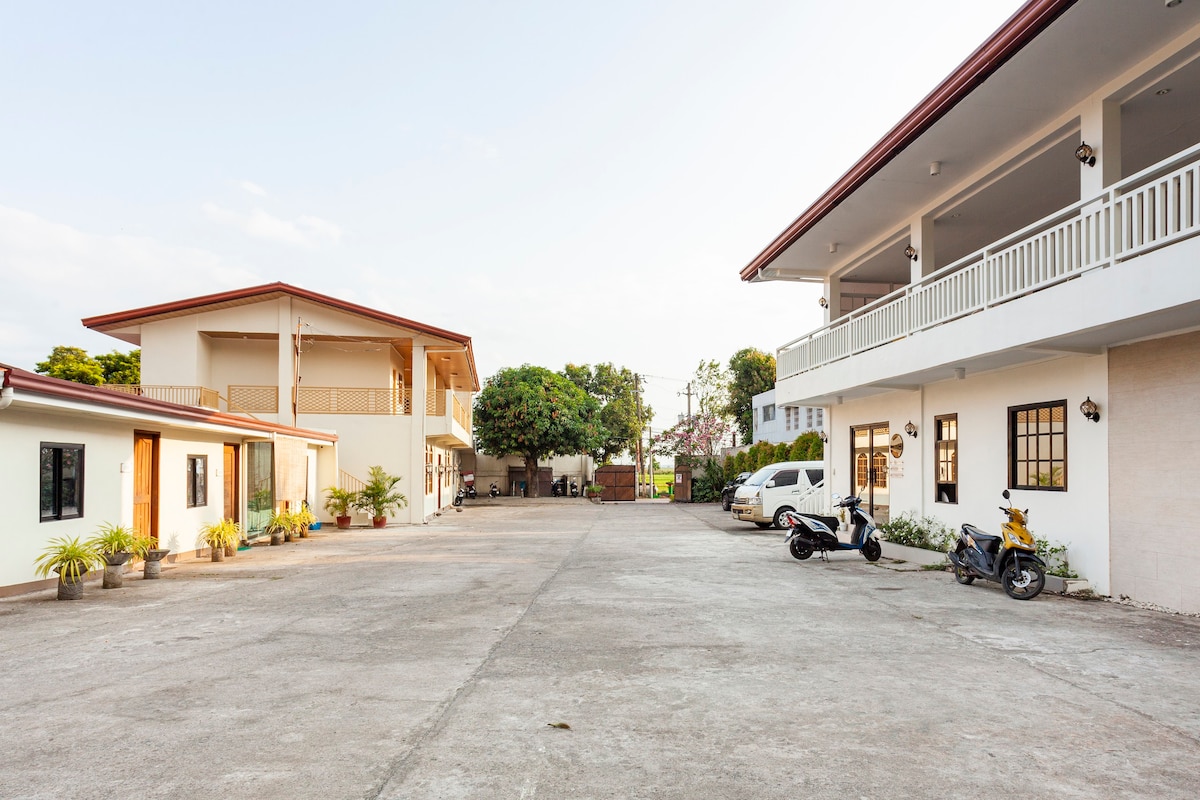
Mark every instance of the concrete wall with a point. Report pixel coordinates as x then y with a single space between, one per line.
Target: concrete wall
1153 390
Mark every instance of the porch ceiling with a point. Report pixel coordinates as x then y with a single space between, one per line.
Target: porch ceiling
987 188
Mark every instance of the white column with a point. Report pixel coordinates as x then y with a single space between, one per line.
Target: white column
286 377
922 239
1100 127
416 468
833 299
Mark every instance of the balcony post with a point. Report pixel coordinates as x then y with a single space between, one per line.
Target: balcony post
833 299
420 426
1100 127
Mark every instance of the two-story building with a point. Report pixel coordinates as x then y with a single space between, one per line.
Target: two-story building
776 425
1012 291
397 392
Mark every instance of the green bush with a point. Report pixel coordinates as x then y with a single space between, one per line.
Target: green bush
912 531
706 488
1055 557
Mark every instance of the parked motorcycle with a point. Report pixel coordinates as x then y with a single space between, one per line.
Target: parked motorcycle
493 492
574 489
471 493
813 532
458 496
556 488
1010 559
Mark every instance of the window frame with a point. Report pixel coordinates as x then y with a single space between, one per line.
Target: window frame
197 465
56 481
1013 448
937 458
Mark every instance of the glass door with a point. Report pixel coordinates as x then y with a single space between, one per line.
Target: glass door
869 466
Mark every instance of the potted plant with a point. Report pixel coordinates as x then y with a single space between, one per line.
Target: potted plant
146 548
303 519
115 545
338 503
72 560
281 526
220 535
593 492
380 497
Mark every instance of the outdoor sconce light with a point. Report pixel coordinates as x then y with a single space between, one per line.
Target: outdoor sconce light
910 253
911 429
824 436
1173 3
1086 154
1090 409
823 302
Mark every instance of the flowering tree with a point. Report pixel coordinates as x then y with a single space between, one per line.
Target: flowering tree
702 435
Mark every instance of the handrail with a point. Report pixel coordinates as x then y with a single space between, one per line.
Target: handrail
1145 211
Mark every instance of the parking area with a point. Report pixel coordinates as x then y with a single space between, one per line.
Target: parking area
567 649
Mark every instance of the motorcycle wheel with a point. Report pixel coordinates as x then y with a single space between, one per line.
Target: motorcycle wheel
1025 583
800 549
963 577
871 549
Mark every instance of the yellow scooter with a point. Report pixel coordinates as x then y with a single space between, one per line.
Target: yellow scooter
1011 558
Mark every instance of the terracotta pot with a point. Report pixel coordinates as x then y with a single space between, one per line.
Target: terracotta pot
343 523
379 522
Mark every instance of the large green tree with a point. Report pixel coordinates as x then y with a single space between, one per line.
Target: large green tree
622 413
751 372
535 413
72 364
122 367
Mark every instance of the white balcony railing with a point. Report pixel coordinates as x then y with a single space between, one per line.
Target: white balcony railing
1146 211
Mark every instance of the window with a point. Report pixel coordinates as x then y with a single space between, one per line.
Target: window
197 481
61 481
768 412
945 455
1037 447
786 477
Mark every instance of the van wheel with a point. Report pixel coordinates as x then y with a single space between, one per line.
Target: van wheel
779 522
763 524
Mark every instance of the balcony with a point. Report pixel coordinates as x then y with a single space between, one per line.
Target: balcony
1076 281
451 429
181 395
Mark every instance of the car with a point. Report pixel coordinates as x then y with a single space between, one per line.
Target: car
727 492
775 489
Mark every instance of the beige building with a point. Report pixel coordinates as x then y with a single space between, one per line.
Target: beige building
397 392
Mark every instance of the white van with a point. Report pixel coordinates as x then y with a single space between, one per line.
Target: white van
776 488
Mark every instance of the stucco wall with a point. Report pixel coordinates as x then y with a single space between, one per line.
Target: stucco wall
1155 537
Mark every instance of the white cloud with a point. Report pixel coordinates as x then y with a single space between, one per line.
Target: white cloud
473 147
253 188
55 275
304 231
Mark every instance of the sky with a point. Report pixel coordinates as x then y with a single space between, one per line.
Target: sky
562 182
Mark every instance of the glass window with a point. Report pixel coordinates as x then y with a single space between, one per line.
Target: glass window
1038 446
768 412
786 477
260 484
61 481
945 454
197 483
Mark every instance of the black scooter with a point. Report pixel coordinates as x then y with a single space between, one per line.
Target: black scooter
574 489
458 497
493 492
812 532
471 493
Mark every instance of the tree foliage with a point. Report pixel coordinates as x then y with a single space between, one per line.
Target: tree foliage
535 413
74 364
701 435
751 372
621 415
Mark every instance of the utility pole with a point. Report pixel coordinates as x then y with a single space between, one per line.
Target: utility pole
637 389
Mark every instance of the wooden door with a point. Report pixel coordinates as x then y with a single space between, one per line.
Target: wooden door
145 484
232 484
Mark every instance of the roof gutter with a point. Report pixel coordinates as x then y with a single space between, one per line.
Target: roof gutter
1020 29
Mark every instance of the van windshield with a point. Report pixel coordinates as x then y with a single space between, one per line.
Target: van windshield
760 477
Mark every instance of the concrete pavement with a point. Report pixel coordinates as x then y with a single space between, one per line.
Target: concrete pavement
690 656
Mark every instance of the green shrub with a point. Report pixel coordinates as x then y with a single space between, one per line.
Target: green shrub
912 531
706 488
1055 557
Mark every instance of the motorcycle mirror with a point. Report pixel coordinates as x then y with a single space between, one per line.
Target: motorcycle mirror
1006 494
837 498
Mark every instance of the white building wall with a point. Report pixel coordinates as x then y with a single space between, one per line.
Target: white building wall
1077 517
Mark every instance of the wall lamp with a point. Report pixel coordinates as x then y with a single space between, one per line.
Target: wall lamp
910 253
911 429
824 436
1090 410
1086 154
823 303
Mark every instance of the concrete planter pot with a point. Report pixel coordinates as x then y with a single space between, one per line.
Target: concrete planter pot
70 588
152 568
114 570
914 555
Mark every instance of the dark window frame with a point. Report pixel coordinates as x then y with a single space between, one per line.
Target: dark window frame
939 457
54 492
1042 448
197 481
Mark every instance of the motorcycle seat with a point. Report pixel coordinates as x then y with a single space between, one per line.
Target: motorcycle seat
977 534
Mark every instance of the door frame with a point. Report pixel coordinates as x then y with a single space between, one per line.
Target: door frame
869 489
139 467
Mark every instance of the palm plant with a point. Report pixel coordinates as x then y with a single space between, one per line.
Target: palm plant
115 544
72 560
379 496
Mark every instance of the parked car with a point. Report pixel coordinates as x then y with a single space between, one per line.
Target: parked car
727 492
766 495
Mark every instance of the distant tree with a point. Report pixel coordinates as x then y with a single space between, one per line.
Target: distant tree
699 436
72 364
535 413
807 447
751 372
622 414
122 367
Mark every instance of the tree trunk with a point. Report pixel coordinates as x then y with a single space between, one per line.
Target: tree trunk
531 476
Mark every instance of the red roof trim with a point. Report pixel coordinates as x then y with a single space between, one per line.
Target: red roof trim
1020 29
24 381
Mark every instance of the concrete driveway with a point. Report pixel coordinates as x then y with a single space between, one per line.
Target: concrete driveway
690 656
